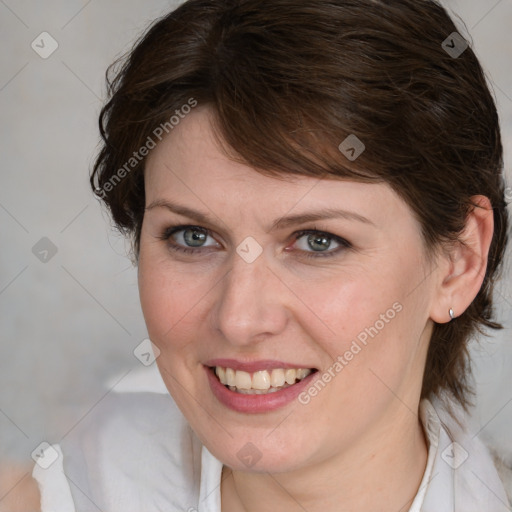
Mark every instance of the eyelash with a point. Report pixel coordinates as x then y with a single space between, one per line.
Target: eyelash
344 244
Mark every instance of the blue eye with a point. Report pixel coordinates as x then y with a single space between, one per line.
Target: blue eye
322 241
195 236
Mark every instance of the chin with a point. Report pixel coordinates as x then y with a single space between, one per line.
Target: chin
261 450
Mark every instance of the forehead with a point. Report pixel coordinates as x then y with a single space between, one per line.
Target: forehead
190 165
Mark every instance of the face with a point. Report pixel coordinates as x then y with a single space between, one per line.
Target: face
239 278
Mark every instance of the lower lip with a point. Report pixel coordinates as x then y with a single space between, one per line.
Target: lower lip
255 403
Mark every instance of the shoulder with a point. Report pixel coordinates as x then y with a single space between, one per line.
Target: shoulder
504 469
479 475
132 450
128 426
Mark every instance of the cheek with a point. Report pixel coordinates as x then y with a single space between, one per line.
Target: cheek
374 329
167 300
350 306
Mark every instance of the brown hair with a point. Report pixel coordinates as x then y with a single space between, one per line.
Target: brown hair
288 81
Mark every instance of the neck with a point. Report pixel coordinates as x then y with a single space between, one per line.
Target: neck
381 472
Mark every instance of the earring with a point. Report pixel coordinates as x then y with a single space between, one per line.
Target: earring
452 315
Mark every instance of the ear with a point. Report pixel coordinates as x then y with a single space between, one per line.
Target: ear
462 270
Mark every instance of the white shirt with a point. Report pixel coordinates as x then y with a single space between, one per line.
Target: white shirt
135 452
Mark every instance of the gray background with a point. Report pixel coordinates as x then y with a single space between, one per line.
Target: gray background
68 327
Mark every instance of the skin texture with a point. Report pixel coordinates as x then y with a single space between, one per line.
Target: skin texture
19 492
362 431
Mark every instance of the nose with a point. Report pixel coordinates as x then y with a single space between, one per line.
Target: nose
250 306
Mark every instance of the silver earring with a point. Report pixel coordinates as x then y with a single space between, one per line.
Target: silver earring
452 315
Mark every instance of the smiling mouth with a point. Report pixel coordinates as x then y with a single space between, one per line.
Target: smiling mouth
261 382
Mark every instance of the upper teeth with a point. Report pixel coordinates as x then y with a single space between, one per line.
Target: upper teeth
262 379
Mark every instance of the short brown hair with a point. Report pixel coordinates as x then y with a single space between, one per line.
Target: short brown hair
288 81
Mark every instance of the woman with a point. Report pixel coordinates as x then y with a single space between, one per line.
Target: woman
315 195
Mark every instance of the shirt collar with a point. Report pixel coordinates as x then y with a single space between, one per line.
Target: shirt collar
463 477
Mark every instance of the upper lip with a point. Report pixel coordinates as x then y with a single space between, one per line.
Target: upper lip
253 366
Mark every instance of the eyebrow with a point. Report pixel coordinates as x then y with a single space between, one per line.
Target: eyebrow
283 222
